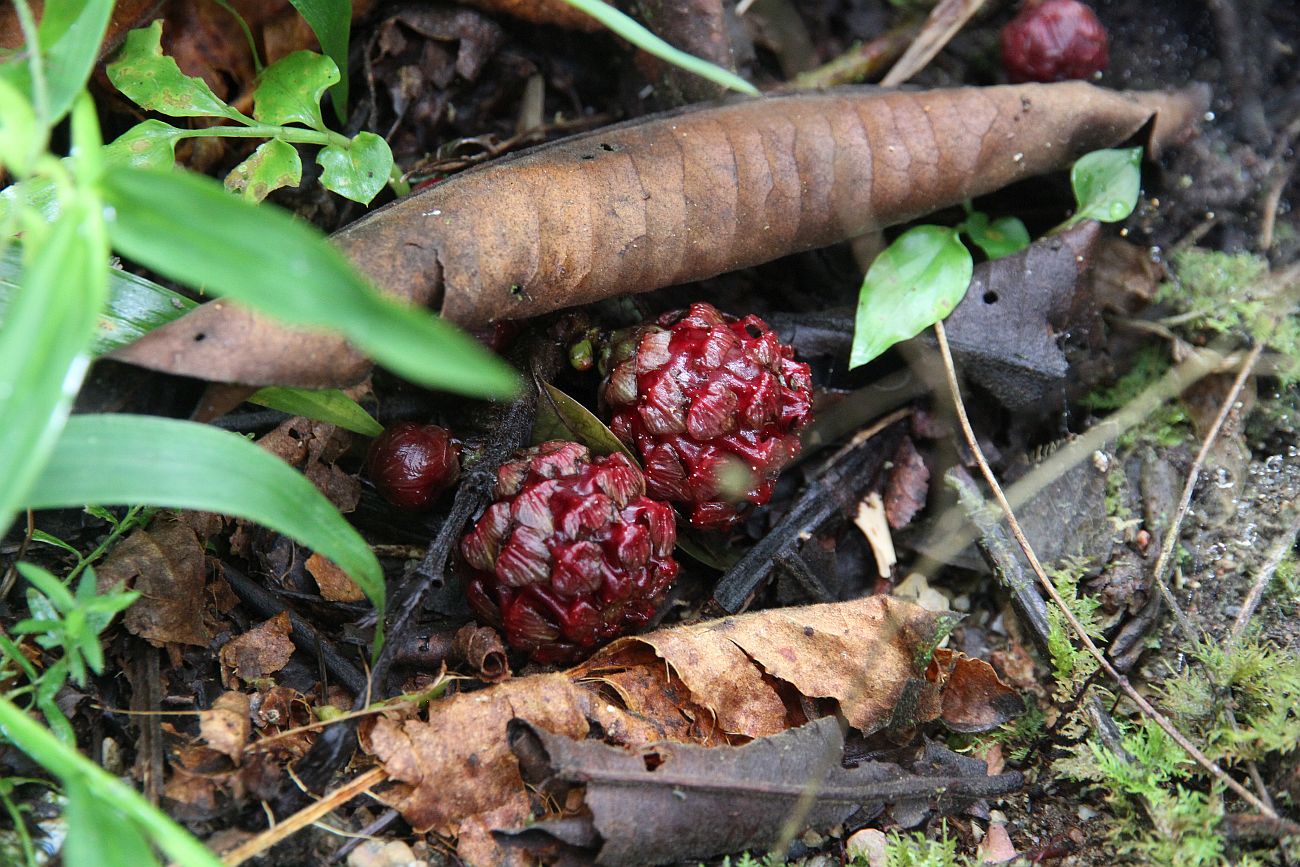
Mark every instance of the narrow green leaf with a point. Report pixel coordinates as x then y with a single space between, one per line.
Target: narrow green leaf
187 228
999 238
633 32
73 769
273 165
98 834
153 81
914 283
135 305
128 460
290 89
147 145
21 139
331 21
357 172
1106 184
43 341
328 405
560 417
70 35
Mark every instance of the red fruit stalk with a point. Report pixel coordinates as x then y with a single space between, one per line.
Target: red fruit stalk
412 464
571 553
713 405
1054 40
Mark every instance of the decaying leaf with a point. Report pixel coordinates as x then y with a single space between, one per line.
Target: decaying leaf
712 684
674 198
678 802
333 582
908 485
555 12
225 726
974 698
260 651
166 566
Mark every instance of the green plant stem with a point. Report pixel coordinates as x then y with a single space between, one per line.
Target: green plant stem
20 826
633 32
128 522
69 765
293 135
397 181
40 92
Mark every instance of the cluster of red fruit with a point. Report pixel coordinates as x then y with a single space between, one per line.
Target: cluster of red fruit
576 549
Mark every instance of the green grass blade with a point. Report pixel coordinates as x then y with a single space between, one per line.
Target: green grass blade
70 35
331 21
44 337
629 29
328 405
129 460
135 305
75 770
188 228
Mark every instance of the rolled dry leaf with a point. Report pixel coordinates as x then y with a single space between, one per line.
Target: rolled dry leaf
675 198
555 12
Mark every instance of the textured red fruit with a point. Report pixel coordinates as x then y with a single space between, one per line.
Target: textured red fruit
412 464
712 404
571 553
1054 40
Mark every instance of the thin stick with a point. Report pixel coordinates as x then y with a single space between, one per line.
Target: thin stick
1266 572
1174 530
308 815
1120 680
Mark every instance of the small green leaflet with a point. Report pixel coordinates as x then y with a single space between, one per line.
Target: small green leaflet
914 283
273 165
998 238
290 90
358 172
153 81
1106 185
147 145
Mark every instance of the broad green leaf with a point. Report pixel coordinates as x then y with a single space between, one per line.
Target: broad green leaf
999 238
273 165
331 21
147 145
1106 184
327 405
72 768
128 460
560 417
189 229
914 283
70 34
290 89
20 136
153 81
135 305
357 172
44 338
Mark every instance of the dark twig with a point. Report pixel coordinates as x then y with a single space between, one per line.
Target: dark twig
304 635
844 474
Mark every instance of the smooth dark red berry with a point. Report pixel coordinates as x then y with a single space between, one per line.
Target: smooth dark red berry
412 464
1054 40
713 405
571 553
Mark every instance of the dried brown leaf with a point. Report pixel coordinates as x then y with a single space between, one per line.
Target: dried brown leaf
909 483
974 698
225 726
166 565
672 199
334 583
263 650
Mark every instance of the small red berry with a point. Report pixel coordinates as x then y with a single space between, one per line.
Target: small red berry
713 405
571 553
1054 40
412 464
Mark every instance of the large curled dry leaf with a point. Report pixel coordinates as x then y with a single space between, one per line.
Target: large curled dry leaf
718 683
674 198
